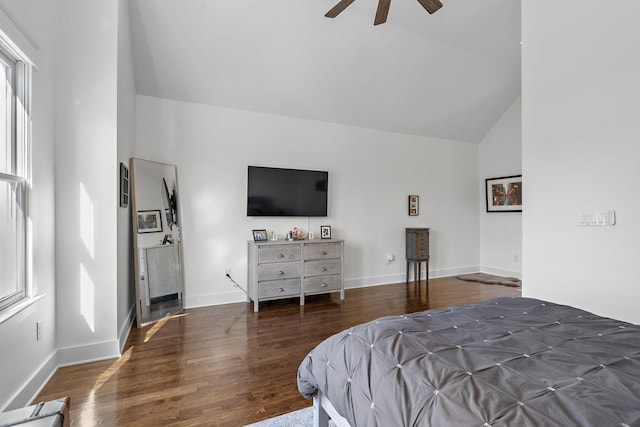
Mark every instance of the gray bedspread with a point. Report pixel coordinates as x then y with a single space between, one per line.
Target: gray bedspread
506 362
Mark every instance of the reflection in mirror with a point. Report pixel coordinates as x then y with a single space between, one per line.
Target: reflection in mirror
156 241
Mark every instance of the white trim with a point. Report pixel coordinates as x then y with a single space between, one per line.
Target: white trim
34 385
20 42
78 355
214 299
501 272
126 328
18 307
363 282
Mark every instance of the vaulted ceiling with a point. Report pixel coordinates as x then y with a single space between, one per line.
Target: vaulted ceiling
448 75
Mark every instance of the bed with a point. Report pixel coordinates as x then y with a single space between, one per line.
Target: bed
504 362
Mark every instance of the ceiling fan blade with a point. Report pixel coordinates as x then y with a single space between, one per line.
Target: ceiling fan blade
342 5
431 6
382 12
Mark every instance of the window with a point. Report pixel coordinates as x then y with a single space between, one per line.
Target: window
14 104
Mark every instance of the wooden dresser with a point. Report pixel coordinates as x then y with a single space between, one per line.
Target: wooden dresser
417 251
286 269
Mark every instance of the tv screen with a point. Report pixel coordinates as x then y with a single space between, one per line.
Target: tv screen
286 192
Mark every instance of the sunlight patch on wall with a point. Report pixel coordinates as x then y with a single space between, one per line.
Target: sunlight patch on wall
87 298
86 221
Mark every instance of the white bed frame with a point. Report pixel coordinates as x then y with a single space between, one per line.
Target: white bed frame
323 411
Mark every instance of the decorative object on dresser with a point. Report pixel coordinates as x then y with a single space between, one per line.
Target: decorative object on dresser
291 269
413 205
417 252
325 231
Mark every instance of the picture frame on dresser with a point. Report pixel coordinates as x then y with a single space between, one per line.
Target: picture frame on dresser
260 235
325 232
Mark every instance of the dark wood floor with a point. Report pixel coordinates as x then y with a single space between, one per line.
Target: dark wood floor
228 366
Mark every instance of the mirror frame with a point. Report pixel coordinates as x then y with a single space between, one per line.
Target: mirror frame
140 275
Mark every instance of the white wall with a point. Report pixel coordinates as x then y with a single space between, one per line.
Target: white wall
27 363
581 153
126 138
371 173
86 180
500 154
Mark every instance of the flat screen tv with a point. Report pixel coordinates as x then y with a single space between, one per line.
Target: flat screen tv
286 192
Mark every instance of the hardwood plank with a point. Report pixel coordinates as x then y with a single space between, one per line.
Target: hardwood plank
228 366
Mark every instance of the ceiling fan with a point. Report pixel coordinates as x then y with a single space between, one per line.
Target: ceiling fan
430 6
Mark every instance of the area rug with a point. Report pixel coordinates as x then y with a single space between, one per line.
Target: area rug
300 418
490 279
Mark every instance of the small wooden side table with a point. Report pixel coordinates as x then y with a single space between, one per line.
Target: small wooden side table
417 240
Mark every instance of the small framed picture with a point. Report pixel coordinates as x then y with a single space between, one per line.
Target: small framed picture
124 185
260 235
413 205
149 221
325 231
504 194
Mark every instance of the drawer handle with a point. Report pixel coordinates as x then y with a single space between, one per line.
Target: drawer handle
323 253
280 255
280 289
323 269
280 273
324 285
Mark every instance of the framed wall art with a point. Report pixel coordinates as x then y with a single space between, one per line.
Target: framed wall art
413 205
124 185
149 222
504 194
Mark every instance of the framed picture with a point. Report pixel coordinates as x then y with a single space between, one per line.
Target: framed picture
325 231
260 235
124 185
504 194
149 221
413 205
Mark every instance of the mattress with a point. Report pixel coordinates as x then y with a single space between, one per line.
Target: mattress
505 362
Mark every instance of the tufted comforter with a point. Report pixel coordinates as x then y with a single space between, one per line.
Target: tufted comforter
505 362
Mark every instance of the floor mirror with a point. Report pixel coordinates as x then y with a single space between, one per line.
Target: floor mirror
157 246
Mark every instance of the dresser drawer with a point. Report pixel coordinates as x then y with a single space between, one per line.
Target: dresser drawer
320 284
276 271
422 249
322 267
279 289
322 250
278 253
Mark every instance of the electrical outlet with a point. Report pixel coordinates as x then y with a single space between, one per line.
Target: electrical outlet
227 271
516 258
38 330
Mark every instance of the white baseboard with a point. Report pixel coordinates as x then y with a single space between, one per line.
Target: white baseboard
214 299
35 384
501 272
126 328
77 355
361 282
